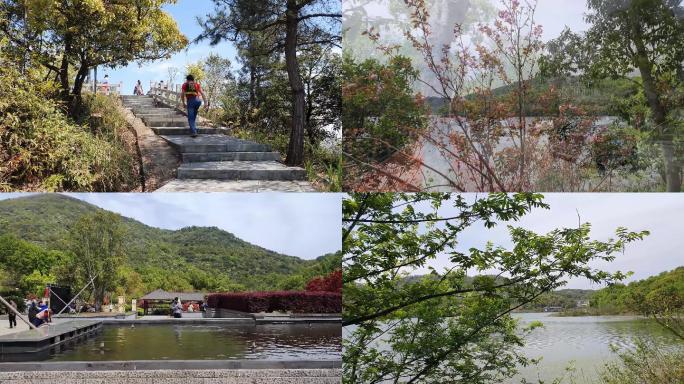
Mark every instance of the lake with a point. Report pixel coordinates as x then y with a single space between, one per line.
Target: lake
439 163
198 342
585 340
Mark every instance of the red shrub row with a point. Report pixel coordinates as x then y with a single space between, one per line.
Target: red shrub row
280 301
329 283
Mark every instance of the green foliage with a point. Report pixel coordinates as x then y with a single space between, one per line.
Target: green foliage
381 113
196 70
218 77
43 150
85 34
446 325
660 297
27 266
97 243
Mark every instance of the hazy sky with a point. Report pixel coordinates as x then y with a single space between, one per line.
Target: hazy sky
661 214
306 225
553 15
389 18
185 13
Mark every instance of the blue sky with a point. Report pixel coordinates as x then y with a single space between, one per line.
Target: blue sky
305 225
185 13
660 213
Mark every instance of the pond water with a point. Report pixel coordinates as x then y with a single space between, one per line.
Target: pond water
583 340
208 342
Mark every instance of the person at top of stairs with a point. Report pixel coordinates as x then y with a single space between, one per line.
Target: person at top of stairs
191 94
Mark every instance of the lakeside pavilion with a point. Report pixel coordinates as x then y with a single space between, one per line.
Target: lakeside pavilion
162 298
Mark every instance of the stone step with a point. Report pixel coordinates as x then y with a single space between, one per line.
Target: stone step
166 122
214 143
174 131
211 185
240 170
163 115
146 108
133 103
189 157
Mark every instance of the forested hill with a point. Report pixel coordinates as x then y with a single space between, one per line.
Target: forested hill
602 98
665 290
45 220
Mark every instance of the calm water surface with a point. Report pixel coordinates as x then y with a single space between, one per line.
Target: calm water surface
198 342
583 340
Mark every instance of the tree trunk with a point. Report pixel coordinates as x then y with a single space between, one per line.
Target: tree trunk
252 86
64 78
309 115
295 149
673 167
99 298
80 79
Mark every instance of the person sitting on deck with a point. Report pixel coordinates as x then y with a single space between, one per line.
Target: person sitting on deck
42 317
47 312
191 95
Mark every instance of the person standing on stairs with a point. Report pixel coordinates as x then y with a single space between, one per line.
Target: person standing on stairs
191 92
138 90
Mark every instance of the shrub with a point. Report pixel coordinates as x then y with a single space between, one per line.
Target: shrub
645 363
381 111
279 301
330 283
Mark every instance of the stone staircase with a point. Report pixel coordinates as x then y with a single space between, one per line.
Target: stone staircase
213 158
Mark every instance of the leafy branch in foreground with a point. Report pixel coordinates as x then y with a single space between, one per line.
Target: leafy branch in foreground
447 326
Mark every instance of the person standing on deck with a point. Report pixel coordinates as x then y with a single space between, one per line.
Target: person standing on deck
12 315
191 92
177 308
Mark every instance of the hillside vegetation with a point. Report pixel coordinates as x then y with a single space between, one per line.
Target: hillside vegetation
643 295
42 149
35 232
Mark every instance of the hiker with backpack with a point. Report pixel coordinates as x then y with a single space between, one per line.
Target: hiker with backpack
191 92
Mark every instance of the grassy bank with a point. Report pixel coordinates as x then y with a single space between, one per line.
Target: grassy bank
43 150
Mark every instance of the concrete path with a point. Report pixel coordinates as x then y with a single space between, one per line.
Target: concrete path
178 376
21 326
214 161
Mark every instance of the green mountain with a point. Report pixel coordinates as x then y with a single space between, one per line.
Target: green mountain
46 219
